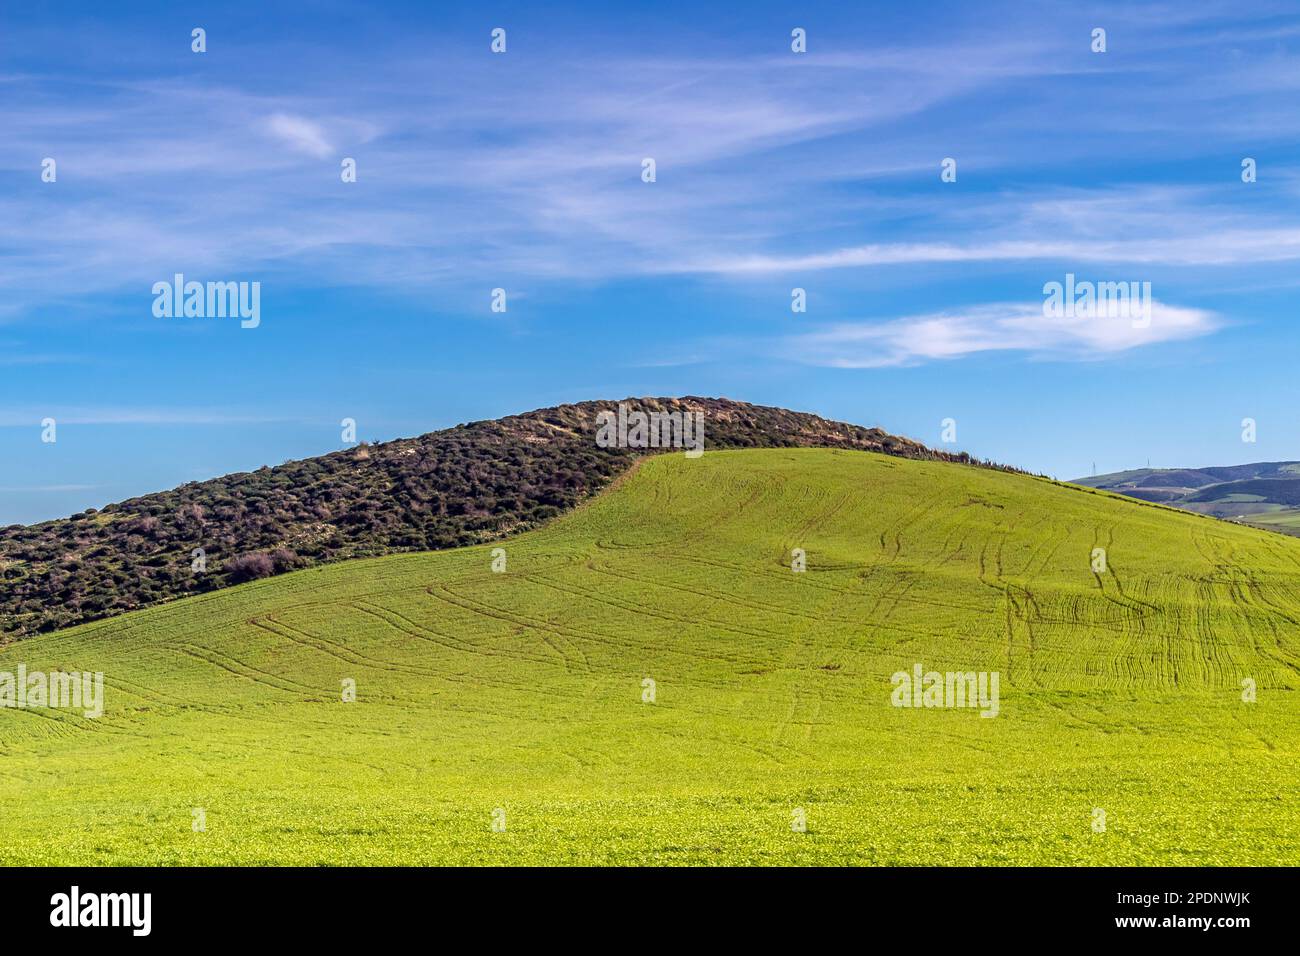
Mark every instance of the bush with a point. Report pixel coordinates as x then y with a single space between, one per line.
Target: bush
248 567
284 559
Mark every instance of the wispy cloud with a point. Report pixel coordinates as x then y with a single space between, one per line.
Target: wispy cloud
1020 327
300 134
1241 246
505 169
527 171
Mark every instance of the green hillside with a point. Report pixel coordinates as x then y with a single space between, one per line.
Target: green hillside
461 486
1120 691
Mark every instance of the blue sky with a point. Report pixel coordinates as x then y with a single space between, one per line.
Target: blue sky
522 171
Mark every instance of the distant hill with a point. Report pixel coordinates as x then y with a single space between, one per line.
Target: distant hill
460 486
1266 493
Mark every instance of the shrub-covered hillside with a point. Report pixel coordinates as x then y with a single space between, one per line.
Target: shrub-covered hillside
460 486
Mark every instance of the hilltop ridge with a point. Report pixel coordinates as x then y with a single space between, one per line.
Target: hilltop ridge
458 486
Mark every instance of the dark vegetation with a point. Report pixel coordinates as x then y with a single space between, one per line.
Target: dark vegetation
464 485
1282 491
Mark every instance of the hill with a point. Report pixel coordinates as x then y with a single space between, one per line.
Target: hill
450 488
1265 494
506 716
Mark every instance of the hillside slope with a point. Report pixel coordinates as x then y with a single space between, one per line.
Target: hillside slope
455 487
1265 493
518 696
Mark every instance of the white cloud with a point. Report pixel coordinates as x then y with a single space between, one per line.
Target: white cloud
1241 246
989 328
767 164
300 134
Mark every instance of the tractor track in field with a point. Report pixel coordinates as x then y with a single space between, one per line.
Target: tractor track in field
338 651
474 651
247 672
405 625
570 631
523 689
647 611
809 581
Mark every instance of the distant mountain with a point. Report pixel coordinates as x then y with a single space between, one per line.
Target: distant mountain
1266 493
450 488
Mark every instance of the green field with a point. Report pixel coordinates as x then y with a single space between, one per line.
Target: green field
1279 518
1120 690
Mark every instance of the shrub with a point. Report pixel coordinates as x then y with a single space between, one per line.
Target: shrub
284 559
248 567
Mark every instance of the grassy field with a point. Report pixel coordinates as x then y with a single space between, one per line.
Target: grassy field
1278 518
480 692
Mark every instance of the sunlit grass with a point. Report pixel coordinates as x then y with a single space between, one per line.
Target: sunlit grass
523 691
